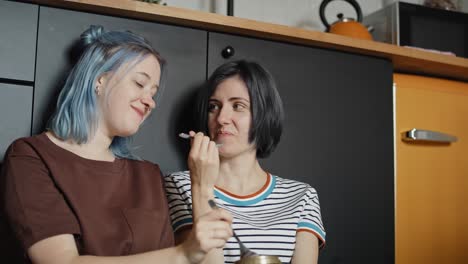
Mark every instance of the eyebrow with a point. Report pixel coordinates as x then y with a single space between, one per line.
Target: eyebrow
145 74
232 99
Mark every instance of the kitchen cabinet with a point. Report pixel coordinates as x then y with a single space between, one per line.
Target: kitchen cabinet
432 177
183 48
15 102
18 26
338 137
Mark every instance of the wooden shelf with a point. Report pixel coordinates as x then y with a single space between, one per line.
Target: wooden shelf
405 60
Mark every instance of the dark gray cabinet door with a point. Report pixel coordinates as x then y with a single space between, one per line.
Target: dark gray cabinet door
18 27
15 114
183 48
338 137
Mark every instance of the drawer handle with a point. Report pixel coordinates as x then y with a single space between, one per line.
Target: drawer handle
427 135
228 52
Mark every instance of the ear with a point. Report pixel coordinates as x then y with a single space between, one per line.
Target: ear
102 80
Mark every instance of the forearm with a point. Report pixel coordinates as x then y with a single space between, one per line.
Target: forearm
174 255
48 253
200 197
215 256
204 169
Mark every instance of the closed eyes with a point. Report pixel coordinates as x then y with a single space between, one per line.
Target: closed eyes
139 85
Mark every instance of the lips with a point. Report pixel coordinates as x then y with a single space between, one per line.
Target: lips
140 112
222 133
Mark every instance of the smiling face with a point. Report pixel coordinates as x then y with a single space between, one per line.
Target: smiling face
230 118
126 97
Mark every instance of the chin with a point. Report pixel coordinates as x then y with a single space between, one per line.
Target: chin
128 132
227 154
234 152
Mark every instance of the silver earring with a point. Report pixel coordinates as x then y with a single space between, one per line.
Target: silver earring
98 92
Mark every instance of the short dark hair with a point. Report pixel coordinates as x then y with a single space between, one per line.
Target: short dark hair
266 105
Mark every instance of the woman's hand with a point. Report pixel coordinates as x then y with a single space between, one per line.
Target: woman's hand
209 231
203 161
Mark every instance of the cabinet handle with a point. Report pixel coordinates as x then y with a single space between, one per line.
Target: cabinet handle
228 52
427 135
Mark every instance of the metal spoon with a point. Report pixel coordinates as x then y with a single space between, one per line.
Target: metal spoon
245 252
187 136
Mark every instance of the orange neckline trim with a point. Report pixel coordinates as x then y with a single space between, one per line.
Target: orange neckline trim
264 187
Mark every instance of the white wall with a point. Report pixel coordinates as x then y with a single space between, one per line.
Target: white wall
295 13
299 13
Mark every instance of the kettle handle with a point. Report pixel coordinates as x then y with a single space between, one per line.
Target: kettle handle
324 4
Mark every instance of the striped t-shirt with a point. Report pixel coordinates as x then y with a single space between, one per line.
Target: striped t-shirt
266 221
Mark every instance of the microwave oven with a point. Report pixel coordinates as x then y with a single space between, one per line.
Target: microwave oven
406 24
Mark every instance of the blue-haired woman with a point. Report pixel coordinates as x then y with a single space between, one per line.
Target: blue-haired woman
75 193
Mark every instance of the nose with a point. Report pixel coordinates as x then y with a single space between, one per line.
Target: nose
148 102
224 115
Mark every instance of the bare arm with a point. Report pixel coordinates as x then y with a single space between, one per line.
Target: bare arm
306 250
203 162
62 249
214 229
214 256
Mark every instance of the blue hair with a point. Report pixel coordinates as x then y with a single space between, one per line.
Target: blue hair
76 116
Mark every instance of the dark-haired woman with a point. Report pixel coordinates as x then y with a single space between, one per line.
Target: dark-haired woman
240 117
76 194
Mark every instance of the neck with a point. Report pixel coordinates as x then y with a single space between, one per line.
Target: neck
241 175
100 142
97 147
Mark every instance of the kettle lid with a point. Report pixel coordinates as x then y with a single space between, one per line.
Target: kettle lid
341 18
